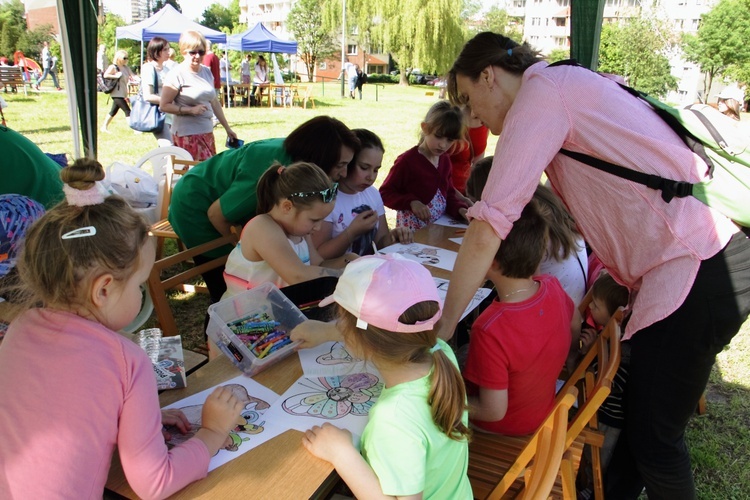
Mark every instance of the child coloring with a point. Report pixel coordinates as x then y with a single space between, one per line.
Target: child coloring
419 185
275 246
74 388
520 342
415 444
357 221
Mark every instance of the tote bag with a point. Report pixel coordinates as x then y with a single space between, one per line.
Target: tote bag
144 116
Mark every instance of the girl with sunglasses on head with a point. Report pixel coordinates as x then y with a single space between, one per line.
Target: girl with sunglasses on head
189 94
120 71
275 246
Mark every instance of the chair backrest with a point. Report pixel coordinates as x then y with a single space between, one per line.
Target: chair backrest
175 167
606 353
550 446
545 448
158 159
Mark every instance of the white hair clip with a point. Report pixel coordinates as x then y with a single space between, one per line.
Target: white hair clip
82 232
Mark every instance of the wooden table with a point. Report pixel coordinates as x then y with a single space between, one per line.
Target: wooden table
279 468
438 236
268 90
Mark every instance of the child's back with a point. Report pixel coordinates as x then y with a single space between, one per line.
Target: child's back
521 347
68 382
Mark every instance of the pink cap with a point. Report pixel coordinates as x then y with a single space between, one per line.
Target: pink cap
377 289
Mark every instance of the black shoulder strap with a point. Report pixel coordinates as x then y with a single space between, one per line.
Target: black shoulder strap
669 188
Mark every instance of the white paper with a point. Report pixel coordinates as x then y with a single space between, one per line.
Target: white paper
458 241
331 358
424 254
446 220
256 431
479 296
343 401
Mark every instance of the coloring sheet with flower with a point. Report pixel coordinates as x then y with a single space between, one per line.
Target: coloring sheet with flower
331 358
424 254
482 293
254 430
449 221
343 401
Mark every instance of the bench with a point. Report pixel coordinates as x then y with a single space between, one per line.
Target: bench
12 76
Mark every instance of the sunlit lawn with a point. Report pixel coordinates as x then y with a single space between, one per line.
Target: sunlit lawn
719 440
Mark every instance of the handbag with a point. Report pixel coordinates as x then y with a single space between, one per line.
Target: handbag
144 116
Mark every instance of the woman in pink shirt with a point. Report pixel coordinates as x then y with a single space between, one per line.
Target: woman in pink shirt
685 262
73 388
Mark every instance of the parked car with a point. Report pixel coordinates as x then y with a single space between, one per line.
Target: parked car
420 78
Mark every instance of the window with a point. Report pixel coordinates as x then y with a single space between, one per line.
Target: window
561 41
560 21
536 21
696 24
519 4
351 49
563 3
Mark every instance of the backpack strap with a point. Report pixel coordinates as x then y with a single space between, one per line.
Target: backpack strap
669 188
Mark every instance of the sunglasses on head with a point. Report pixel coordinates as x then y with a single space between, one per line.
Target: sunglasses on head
328 195
197 52
126 58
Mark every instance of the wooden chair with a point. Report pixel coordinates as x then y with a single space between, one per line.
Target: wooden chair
505 452
308 97
163 228
158 287
493 475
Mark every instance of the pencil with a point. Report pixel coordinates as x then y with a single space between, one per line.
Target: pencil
460 231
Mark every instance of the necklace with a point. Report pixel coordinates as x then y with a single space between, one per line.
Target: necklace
520 290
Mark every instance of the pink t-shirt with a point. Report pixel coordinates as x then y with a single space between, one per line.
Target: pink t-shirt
71 390
521 347
652 247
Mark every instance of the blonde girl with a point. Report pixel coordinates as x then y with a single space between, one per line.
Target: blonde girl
419 185
275 246
415 444
189 94
357 223
120 71
74 388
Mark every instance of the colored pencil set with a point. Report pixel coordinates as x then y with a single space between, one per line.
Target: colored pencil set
260 333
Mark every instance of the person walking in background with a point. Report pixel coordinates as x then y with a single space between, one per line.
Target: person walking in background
47 67
361 80
729 102
121 72
102 61
189 94
351 77
152 81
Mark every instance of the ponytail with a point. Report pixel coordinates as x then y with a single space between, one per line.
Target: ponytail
447 394
447 397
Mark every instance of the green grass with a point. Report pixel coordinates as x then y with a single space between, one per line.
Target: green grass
719 440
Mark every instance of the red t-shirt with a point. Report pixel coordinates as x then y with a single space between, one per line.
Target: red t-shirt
212 61
521 347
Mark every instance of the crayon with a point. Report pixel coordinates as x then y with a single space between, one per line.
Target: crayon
265 351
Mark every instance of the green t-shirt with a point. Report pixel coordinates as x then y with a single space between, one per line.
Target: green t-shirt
231 177
408 452
27 171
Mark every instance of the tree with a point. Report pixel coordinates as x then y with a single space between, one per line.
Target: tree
305 21
558 55
421 33
159 4
216 16
721 44
107 33
637 50
12 26
497 20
